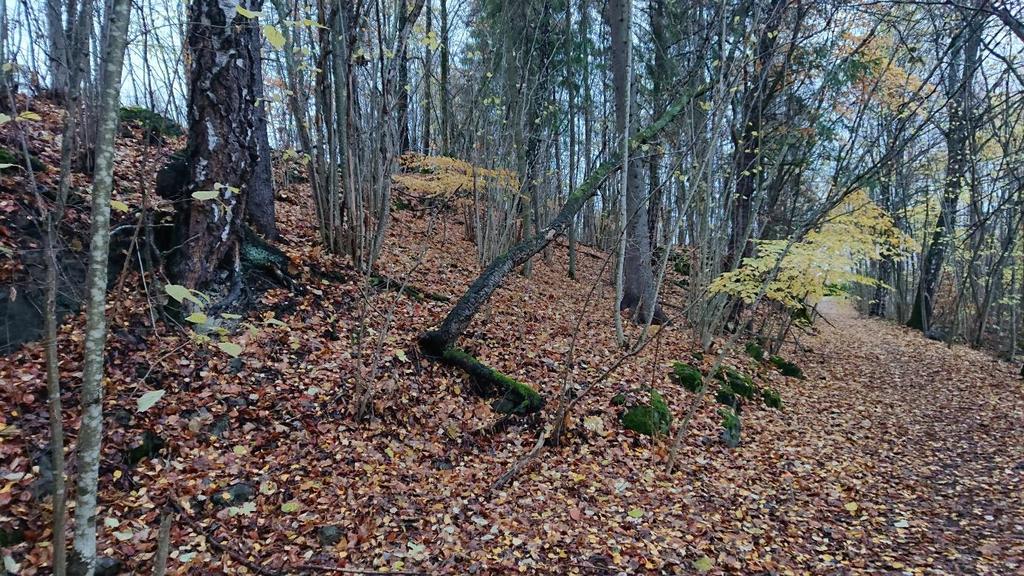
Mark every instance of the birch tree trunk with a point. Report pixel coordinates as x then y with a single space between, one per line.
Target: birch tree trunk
223 138
91 431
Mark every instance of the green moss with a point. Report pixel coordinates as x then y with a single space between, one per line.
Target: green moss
152 121
651 419
738 382
619 399
731 427
518 399
687 376
755 351
15 158
724 395
786 367
514 396
771 398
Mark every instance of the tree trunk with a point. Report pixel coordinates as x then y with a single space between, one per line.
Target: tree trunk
57 56
959 135
428 64
446 107
223 139
402 88
260 187
91 431
639 290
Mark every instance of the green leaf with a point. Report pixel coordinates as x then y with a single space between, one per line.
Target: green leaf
245 509
230 348
703 564
197 318
6 166
29 116
247 13
635 513
229 316
179 292
147 400
124 535
119 206
205 194
274 36
289 507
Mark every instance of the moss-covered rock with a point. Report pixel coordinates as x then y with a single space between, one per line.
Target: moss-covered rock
651 419
725 396
12 159
771 398
738 382
755 351
154 123
731 427
687 376
786 367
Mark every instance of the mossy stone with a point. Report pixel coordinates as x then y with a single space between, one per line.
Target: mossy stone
651 419
755 351
786 367
687 376
15 158
153 122
731 427
771 398
738 382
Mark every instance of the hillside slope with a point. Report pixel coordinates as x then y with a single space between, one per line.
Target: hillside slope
894 454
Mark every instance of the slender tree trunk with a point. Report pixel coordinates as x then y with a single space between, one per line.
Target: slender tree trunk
446 107
402 89
91 431
428 71
959 138
260 188
57 56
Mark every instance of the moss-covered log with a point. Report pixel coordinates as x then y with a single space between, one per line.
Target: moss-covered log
513 397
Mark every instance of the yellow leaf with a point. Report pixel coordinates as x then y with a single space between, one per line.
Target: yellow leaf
247 13
274 36
29 116
852 507
119 206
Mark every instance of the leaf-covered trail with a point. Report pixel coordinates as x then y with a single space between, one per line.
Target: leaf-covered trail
925 442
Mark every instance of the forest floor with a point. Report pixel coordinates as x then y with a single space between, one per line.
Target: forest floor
894 454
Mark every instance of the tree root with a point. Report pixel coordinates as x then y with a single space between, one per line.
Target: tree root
382 282
513 397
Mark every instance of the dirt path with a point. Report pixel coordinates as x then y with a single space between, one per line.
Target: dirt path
927 447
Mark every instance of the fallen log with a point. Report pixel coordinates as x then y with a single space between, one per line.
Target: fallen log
440 342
